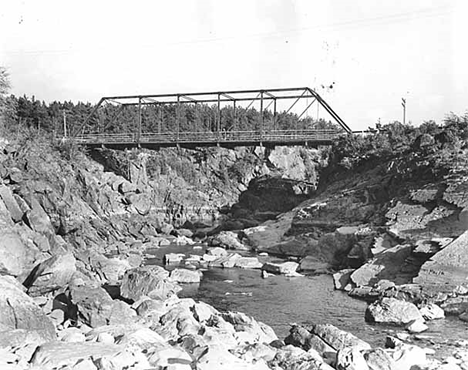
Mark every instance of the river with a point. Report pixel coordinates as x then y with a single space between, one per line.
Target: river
279 301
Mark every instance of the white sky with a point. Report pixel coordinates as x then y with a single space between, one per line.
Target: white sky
376 52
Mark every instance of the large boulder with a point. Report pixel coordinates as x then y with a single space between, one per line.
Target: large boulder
351 359
147 280
393 311
52 274
228 261
55 355
337 338
38 219
285 268
448 268
386 265
111 270
244 323
10 202
229 240
13 254
92 306
19 311
186 276
248 263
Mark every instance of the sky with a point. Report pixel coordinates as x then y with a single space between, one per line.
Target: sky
372 53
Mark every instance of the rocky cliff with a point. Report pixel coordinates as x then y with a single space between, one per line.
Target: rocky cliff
74 223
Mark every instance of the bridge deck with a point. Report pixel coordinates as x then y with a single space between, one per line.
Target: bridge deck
195 139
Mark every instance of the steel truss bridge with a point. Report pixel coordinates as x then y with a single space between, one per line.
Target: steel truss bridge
266 133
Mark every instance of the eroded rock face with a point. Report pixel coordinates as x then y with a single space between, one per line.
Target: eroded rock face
448 268
19 311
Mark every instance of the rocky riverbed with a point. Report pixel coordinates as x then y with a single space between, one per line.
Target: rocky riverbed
78 291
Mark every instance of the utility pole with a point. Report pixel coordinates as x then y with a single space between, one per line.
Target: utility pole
64 124
403 103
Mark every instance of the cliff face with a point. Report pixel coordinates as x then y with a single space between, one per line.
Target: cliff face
55 200
390 212
194 185
340 215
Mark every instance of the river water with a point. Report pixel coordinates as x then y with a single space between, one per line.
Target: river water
279 301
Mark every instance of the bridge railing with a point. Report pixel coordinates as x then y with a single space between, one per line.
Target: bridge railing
210 137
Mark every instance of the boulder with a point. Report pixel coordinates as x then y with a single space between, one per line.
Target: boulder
217 252
313 264
342 280
112 269
186 276
141 281
149 306
416 327
242 322
337 338
229 240
431 311
126 187
446 269
121 313
183 232
52 274
183 240
392 311
291 357
92 306
408 357
378 359
350 359
173 258
386 265
228 261
38 219
285 268
141 202
248 263
19 311
13 254
10 202
63 354
215 358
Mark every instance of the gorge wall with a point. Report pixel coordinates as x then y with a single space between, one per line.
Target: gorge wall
54 200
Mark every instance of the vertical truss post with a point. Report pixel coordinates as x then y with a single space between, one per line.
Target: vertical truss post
261 114
235 116
178 117
274 115
218 117
160 119
139 121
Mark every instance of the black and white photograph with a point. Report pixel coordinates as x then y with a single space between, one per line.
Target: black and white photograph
233 185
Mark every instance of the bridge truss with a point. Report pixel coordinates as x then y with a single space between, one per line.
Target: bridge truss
268 101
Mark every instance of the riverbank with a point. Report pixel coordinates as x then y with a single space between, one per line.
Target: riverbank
72 231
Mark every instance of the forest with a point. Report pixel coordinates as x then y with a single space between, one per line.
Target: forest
65 118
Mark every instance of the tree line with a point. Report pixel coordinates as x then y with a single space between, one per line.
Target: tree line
62 118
